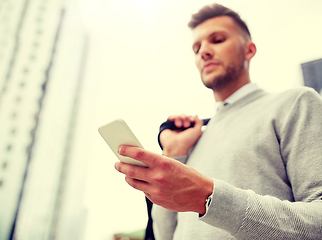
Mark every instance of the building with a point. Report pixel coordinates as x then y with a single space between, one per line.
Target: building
312 73
43 54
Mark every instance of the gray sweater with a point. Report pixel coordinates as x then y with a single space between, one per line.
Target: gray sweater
264 153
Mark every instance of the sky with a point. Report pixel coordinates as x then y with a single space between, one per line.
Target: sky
141 68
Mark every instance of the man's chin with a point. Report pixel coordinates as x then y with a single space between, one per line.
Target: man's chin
217 83
211 82
208 85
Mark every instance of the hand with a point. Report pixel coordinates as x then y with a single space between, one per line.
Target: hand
178 142
166 182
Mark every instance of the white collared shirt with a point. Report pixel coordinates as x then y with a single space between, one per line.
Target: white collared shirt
239 94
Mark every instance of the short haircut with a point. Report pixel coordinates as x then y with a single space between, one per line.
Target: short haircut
216 10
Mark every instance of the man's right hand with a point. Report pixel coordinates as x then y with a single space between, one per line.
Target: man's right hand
178 142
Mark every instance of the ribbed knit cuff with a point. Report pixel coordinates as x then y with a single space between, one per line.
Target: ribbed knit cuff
182 159
227 208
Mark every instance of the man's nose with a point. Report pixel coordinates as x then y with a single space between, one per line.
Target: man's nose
206 53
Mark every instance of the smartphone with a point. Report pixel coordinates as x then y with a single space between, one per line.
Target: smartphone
118 133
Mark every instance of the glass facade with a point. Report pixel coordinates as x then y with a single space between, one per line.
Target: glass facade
42 60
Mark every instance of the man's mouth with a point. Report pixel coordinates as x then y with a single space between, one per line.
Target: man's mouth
209 67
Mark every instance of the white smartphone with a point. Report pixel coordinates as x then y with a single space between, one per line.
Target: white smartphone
118 133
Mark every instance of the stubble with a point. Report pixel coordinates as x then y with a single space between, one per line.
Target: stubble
231 75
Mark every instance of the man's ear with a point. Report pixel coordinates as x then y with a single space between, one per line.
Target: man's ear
250 50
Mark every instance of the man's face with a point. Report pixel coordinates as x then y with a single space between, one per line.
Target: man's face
219 52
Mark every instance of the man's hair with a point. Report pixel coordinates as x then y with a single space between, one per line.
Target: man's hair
216 10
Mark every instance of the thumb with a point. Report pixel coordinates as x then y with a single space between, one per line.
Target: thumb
198 123
196 129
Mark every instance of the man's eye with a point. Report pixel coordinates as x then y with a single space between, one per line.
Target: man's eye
218 40
196 50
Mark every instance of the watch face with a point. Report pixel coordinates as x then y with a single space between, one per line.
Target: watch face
208 201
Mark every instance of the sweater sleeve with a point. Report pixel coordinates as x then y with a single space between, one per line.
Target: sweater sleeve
247 215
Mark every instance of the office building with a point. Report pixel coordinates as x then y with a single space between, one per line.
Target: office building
43 55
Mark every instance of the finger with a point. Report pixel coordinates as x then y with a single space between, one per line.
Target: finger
171 118
196 129
178 122
137 184
139 173
198 122
140 154
184 121
187 122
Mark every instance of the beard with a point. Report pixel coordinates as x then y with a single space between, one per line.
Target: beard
233 72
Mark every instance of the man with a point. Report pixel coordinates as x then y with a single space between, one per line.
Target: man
255 172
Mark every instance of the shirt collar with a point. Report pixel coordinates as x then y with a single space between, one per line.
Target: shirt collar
237 95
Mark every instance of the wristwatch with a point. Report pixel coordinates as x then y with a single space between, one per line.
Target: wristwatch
208 200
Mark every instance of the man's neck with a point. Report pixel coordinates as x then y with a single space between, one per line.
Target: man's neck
222 94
